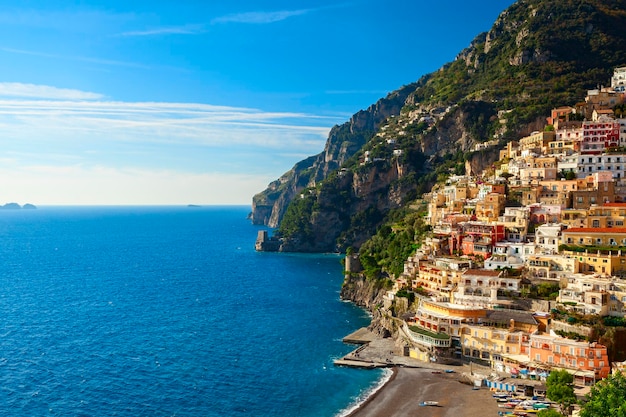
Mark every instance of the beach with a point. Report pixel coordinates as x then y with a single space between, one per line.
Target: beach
414 381
401 396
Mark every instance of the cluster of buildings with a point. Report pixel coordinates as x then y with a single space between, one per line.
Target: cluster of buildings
549 214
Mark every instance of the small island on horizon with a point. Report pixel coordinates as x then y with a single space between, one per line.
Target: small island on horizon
16 206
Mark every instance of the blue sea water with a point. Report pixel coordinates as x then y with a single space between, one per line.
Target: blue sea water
167 311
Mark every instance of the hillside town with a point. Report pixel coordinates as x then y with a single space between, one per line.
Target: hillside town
526 258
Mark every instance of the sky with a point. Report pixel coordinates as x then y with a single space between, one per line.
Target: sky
125 102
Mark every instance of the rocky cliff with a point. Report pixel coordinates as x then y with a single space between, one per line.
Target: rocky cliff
269 206
369 295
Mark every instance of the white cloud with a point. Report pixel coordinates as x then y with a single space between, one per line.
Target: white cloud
173 30
260 17
44 91
62 151
200 124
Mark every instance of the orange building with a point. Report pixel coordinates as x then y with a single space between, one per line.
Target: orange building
586 361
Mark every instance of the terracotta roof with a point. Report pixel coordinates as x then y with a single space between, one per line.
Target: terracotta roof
609 230
483 272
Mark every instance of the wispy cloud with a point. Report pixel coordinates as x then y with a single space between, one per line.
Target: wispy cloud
45 92
260 17
73 147
63 114
164 31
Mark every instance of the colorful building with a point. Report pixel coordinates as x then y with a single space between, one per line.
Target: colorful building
588 362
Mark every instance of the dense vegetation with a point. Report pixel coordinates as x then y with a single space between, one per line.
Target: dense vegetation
385 253
606 398
559 388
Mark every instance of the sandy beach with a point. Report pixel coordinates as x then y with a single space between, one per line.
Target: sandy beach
401 396
414 381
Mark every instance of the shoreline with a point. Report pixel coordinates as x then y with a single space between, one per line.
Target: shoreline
403 392
353 411
413 381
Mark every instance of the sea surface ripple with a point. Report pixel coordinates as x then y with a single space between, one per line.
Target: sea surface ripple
167 311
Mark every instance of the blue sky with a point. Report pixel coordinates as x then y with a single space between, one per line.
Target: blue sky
204 102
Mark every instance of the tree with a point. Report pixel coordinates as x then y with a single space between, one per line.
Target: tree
560 389
606 398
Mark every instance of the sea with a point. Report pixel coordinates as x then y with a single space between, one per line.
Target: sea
168 311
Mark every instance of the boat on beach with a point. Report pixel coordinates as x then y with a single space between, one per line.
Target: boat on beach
429 403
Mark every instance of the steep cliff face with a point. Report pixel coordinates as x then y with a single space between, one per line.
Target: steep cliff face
268 207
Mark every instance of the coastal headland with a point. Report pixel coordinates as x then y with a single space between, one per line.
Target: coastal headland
414 381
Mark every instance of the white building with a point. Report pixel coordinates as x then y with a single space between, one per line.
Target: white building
568 163
548 237
615 163
618 81
506 255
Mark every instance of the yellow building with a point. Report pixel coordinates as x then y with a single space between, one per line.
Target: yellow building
536 141
574 218
551 266
600 261
501 333
489 209
601 236
606 215
435 278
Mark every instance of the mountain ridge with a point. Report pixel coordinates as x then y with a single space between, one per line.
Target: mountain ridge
538 55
